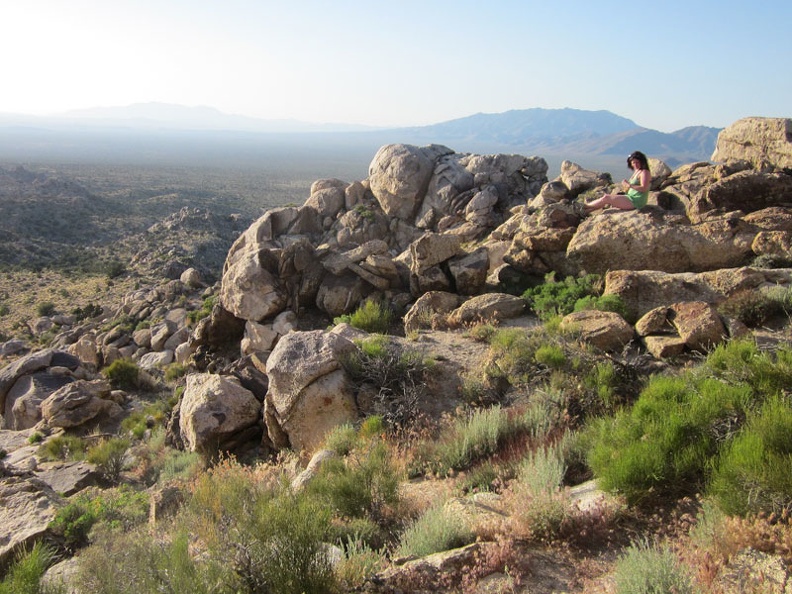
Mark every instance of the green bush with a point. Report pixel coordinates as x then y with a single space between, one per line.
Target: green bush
472 439
24 575
109 455
114 510
434 531
666 444
646 569
359 563
272 539
204 312
553 298
342 439
123 374
135 562
612 303
152 416
364 484
754 473
45 308
766 372
552 356
372 316
63 447
512 352
669 442
174 371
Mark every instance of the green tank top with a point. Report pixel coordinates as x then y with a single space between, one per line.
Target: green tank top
637 198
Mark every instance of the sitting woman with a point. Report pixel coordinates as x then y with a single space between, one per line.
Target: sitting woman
636 188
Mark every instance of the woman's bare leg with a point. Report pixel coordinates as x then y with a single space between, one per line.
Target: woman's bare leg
619 201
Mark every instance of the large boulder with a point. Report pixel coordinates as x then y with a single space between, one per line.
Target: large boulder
29 505
251 292
78 403
643 290
23 401
217 414
487 308
765 143
668 331
605 330
309 392
636 240
744 191
399 176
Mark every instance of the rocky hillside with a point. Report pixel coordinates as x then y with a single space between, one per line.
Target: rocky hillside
458 248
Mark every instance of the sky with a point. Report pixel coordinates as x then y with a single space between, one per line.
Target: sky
664 65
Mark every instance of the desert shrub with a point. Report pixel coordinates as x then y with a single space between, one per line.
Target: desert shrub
136 562
342 439
667 442
5 309
612 303
205 310
471 439
481 332
153 415
395 373
433 531
63 447
371 316
478 389
359 562
178 464
364 484
771 261
89 311
113 510
542 508
109 455
603 380
35 437
552 356
45 308
174 371
716 537
123 374
542 471
25 573
484 477
114 269
270 537
553 298
754 308
742 361
754 473
512 353
647 569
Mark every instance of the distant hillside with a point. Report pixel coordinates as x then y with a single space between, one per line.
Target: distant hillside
526 126
569 132
175 134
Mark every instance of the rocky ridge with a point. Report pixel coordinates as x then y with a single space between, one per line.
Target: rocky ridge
431 232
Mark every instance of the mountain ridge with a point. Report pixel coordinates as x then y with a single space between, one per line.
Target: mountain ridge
556 131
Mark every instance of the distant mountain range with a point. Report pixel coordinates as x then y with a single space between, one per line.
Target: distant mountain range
566 133
572 132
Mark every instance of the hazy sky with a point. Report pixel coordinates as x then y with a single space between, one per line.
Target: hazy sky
664 65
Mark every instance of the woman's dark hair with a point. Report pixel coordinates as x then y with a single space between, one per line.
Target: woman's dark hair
641 159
